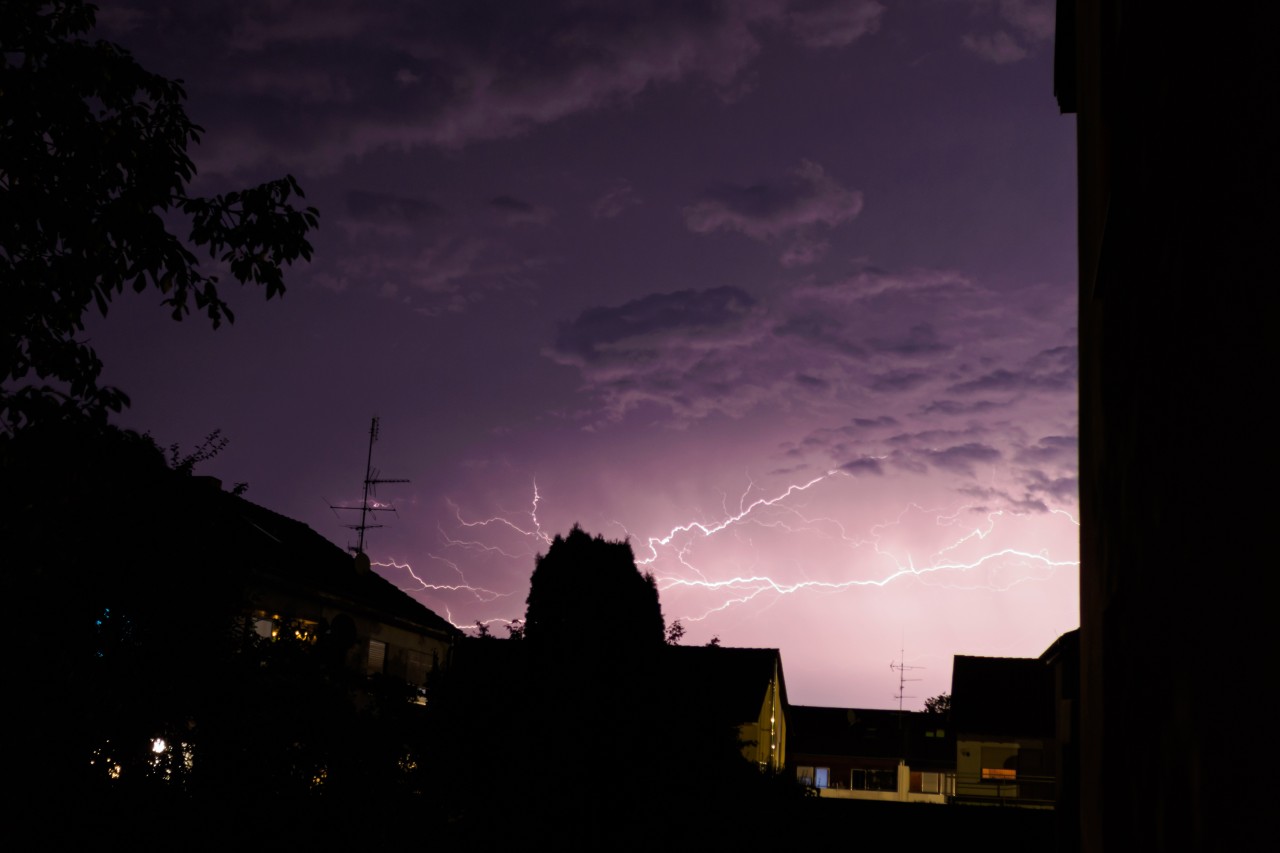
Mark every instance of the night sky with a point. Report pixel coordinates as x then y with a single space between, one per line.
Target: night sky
782 291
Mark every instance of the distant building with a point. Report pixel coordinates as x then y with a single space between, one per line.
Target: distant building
861 754
739 687
299 581
1013 720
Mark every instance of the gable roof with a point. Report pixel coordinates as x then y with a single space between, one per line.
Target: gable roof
730 682
286 554
1002 696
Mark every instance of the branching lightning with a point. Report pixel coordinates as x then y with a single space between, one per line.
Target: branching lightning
960 548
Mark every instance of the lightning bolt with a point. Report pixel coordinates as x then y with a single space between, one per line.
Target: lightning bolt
960 556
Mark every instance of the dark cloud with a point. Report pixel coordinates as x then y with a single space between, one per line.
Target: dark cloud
875 423
824 330
961 458
516 211
1050 370
884 337
954 407
1019 27
934 437
864 465
337 78
813 383
614 202
905 461
693 352
1002 499
921 340
1051 448
599 334
806 197
897 381
381 209
824 23
1063 489
872 283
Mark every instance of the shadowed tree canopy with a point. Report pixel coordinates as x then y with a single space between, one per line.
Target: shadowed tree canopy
583 581
93 175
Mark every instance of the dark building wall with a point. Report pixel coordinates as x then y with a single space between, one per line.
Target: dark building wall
1178 342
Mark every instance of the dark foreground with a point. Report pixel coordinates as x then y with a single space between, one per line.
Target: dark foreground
327 824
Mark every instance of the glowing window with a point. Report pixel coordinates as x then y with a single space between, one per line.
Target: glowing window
377 656
999 774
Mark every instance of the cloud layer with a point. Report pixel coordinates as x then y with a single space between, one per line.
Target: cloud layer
341 78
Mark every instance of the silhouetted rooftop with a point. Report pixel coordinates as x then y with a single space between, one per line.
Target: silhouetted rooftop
731 681
1006 696
871 733
284 552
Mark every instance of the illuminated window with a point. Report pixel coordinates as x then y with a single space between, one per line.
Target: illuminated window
377 656
417 665
822 777
804 776
999 763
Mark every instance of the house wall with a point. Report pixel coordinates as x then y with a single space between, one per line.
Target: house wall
765 739
399 642
1028 760
839 788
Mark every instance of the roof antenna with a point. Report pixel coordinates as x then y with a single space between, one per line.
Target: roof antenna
371 481
901 669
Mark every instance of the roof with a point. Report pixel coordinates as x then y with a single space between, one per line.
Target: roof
1002 696
285 553
733 682
919 737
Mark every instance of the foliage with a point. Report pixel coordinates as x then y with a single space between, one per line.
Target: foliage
515 629
94 171
213 444
582 578
136 592
675 633
940 704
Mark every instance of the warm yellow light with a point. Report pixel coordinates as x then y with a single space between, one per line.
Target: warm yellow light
158 745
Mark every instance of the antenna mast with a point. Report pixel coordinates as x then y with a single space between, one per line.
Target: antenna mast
901 669
371 481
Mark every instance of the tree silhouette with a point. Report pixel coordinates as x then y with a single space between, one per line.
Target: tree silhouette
93 169
582 579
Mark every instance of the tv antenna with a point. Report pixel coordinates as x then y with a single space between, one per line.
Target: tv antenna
901 669
372 479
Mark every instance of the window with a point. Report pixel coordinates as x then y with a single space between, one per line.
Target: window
377 656
926 783
870 779
822 777
416 668
804 776
999 763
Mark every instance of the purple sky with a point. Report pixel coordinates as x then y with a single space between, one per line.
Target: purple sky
784 291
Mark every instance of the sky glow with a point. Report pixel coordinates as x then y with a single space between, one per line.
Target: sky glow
781 291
